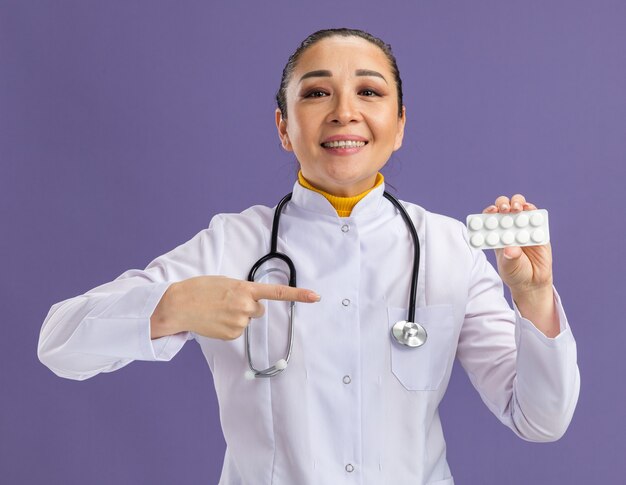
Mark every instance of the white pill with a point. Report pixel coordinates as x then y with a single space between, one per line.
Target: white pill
522 237
508 238
477 240
538 235
491 222
493 239
521 220
536 219
506 222
476 223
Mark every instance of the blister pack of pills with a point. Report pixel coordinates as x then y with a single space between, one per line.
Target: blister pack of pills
491 231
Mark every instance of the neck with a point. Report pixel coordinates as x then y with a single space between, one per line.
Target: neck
343 205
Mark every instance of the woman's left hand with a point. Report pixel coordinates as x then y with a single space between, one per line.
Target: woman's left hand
524 269
527 271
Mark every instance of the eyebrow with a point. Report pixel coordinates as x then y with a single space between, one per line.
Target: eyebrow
326 73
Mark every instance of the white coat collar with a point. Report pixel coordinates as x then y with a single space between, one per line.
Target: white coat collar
310 200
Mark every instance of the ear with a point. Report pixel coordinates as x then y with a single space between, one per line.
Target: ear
400 132
281 126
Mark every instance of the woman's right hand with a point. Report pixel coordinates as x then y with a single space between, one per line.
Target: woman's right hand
217 306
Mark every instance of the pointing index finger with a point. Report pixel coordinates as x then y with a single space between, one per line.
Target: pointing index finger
265 291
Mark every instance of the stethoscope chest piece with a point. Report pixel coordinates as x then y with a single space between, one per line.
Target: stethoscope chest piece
410 334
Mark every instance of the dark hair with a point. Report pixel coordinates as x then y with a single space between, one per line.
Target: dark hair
323 34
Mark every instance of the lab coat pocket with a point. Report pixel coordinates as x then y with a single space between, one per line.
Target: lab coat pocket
423 368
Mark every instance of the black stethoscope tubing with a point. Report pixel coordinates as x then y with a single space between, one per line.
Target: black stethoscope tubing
280 366
292 277
416 252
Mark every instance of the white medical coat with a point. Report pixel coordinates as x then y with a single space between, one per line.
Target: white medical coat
353 406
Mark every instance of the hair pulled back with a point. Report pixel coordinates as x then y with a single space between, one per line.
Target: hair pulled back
281 97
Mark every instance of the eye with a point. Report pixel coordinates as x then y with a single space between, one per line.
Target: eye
315 94
369 93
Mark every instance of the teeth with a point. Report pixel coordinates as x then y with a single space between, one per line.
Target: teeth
344 144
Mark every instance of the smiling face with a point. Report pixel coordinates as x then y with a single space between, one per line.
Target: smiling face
342 115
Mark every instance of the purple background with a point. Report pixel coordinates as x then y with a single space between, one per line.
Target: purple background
125 125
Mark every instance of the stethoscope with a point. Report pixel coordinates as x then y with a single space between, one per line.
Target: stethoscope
405 332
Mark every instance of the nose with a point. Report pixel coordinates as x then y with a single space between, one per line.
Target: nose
344 109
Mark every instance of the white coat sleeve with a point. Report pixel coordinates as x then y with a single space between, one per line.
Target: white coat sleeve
529 381
109 326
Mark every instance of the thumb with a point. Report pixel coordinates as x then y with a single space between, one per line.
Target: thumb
510 264
512 253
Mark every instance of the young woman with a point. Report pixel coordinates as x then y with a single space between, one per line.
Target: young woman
353 403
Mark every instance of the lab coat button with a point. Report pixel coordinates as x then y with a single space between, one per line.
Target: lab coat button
345 228
345 302
349 468
347 380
